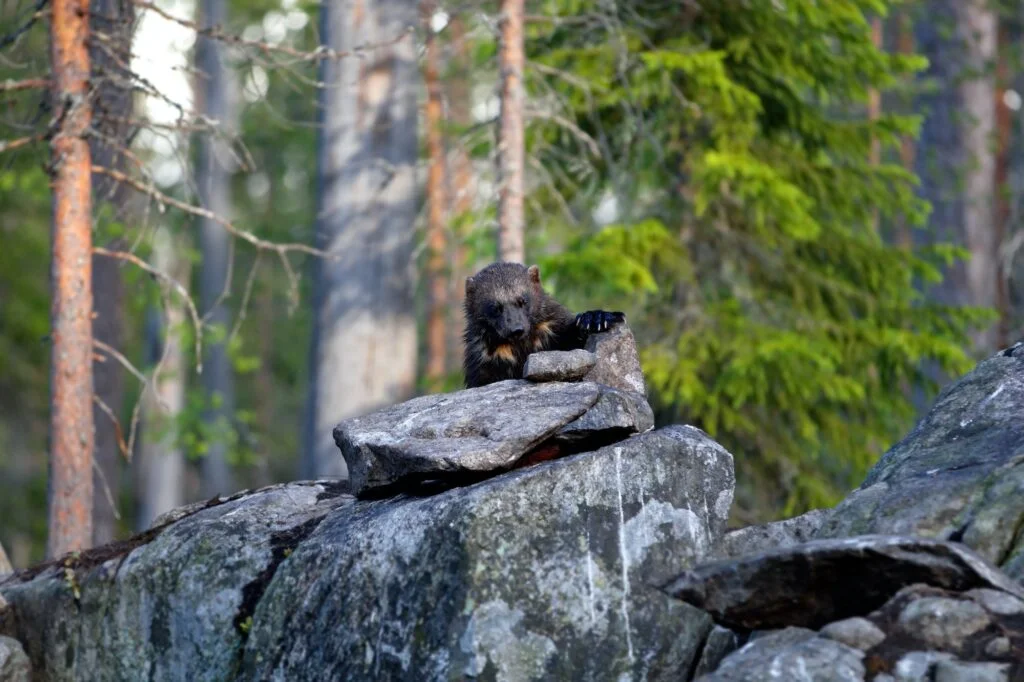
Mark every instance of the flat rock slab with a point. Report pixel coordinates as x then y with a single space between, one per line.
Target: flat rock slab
473 430
959 475
559 365
818 582
769 536
618 362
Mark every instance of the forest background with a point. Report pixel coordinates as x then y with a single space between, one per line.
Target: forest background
810 213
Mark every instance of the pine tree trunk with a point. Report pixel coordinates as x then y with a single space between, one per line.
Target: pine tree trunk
160 467
363 352
511 134
977 28
437 280
71 355
213 180
114 18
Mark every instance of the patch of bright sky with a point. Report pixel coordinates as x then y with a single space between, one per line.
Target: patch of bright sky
161 57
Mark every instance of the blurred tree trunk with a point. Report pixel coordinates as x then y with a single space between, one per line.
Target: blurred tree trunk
436 274
160 467
214 182
363 353
875 109
113 106
460 194
977 28
71 347
905 46
1004 128
511 135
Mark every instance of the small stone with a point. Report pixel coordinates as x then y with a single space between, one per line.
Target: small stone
958 671
860 633
559 365
791 654
1000 646
14 663
918 666
941 622
997 601
618 363
720 643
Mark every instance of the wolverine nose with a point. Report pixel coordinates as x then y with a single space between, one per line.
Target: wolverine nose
516 333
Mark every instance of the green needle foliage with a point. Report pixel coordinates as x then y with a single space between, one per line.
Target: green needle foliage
734 139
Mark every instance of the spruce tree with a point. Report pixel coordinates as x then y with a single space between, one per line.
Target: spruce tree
733 140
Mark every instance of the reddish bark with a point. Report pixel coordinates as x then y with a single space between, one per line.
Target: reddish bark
511 135
436 241
71 383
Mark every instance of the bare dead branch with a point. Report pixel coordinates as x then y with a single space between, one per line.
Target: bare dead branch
121 445
117 355
246 295
166 200
175 284
321 53
99 471
11 85
8 145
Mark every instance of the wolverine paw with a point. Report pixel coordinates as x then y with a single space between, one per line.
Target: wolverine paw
594 321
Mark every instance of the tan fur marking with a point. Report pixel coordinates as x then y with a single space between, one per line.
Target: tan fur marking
541 333
505 353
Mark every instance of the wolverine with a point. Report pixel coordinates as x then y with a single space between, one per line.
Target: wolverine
509 316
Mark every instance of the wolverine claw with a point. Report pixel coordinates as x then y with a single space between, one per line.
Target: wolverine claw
595 321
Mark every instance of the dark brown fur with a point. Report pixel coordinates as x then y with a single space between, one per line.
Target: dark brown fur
509 316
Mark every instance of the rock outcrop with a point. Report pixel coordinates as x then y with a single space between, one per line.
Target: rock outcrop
540 529
942 510
959 475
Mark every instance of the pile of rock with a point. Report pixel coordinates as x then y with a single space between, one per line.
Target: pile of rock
541 529
928 584
568 402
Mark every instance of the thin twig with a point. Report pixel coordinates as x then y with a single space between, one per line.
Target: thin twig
117 355
175 284
167 200
106 488
121 445
8 145
11 85
322 52
246 295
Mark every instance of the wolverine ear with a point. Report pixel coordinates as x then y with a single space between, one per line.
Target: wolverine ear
534 273
470 284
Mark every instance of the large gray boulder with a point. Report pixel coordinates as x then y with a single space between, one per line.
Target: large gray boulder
543 573
959 475
174 603
618 362
540 573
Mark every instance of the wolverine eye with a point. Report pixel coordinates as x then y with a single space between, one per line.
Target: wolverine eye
493 309
521 301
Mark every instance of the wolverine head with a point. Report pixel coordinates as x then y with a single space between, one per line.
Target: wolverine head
503 299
